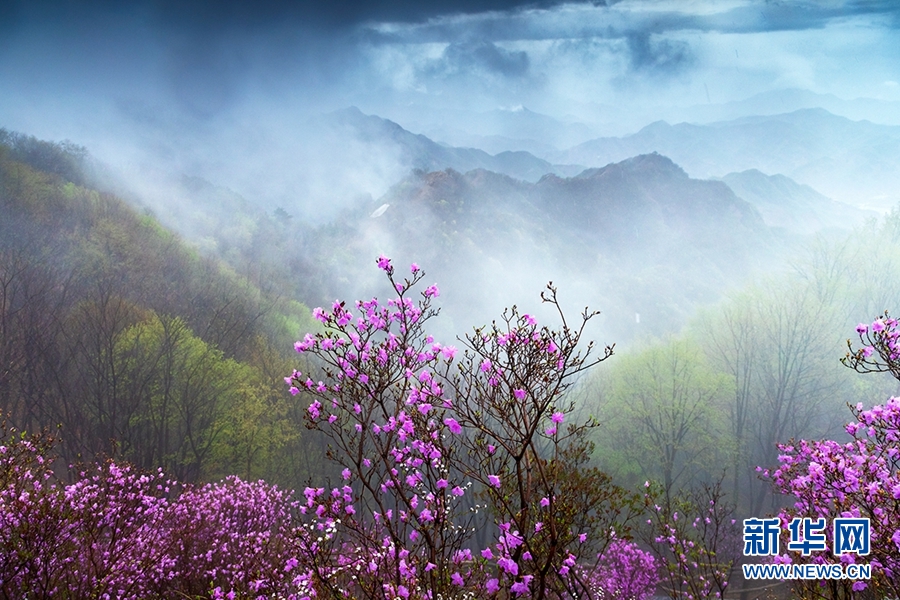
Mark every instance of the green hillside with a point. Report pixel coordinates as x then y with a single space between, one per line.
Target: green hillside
117 331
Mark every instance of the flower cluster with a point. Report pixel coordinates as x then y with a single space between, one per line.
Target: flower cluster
880 351
859 478
118 533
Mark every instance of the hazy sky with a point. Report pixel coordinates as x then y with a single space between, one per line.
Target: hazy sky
217 86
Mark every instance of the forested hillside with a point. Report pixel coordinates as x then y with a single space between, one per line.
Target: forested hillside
114 329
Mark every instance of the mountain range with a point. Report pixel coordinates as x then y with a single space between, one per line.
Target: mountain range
855 162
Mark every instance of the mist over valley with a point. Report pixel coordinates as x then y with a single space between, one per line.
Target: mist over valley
186 191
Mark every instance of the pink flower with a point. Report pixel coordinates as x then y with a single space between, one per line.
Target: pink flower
414 268
494 480
519 393
492 586
508 565
453 426
545 502
521 587
384 263
432 291
557 417
457 579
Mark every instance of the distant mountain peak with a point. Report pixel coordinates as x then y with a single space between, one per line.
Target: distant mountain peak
651 165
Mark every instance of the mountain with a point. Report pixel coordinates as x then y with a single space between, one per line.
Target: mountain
638 236
792 99
416 151
856 162
783 202
515 128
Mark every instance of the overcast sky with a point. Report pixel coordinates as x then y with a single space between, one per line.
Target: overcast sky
130 77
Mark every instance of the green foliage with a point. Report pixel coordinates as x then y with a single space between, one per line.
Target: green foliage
662 414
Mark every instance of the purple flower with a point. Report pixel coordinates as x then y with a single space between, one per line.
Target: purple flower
453 426
384 263
432 291
519 393
492 586
521 587
414 268
494 480
508 565
557 417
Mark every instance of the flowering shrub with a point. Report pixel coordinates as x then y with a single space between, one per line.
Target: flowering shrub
118 533
695 536
859 478
625 572
435 442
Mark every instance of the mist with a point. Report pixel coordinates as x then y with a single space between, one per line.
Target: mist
253 102
182 183
232 93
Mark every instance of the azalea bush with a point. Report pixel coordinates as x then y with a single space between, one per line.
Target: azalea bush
463 469
859 478
119 533
695 536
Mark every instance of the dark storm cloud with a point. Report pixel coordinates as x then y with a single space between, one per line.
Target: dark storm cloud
212 15
631 21
482 56
658 56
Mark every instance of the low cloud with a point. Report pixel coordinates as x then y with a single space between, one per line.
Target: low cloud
481 56
658 56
